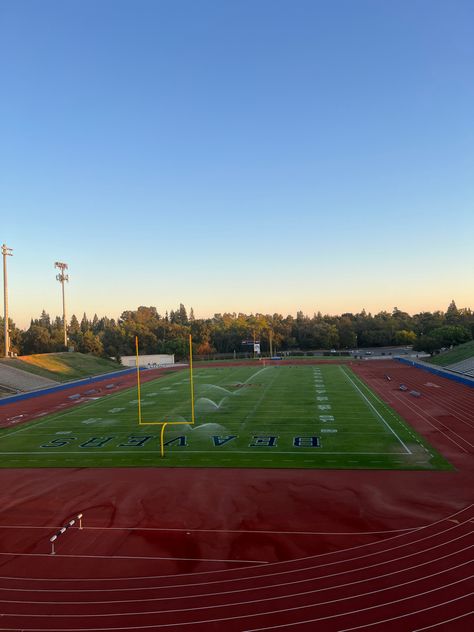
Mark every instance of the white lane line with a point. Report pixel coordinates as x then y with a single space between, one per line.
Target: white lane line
185 530
443 425
252 578
261 614
435 625
375 410
449 518
137 557
366 625
426 419
414 612
252 589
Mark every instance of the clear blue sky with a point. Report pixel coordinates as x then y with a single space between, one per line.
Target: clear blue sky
244 155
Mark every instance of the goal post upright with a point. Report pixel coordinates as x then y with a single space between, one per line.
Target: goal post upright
163 424
162 440
191 376
138 384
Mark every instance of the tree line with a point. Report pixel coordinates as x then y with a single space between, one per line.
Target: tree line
225 333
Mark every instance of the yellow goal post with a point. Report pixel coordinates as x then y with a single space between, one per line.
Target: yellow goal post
163 424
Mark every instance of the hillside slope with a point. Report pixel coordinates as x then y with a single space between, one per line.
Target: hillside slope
62 367
459 353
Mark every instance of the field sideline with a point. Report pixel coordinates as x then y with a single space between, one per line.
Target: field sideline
318 416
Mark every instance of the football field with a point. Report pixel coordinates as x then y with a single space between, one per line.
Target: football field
317 416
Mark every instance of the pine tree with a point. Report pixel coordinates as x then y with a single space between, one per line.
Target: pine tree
452 314
74 326
45 320
85 326
183 316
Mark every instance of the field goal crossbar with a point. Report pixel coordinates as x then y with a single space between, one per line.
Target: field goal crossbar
163 424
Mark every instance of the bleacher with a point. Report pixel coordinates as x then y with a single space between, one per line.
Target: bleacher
466 367
13 380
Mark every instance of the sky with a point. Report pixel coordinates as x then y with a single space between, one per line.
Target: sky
237 155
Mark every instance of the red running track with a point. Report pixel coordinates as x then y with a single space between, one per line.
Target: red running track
252 549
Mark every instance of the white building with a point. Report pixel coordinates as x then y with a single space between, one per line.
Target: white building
148 361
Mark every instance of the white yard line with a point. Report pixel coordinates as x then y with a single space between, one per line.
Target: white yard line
258 450
254 374
32 423
250 415
369 403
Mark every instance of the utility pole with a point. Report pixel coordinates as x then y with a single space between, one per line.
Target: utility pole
61 277
6 252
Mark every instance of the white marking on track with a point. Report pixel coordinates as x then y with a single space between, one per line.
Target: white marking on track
319 565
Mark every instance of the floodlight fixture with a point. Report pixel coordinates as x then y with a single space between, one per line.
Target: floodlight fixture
6 252
62 278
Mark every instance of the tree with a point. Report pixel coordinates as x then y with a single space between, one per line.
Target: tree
37 340
74 326
113 342
44 320
347 335
429 344
85 325
452 314
95 323
180 317
425 322
224 333
451 335
401 321
91 344
405 337
15 335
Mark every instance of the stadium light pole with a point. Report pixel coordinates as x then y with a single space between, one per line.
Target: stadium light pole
61 277
6 252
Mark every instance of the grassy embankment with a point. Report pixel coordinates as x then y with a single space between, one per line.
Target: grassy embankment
462 352
63 367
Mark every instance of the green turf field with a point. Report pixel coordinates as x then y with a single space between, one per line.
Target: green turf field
249 416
